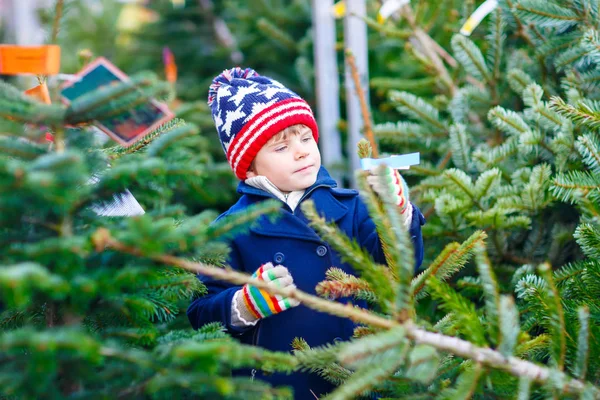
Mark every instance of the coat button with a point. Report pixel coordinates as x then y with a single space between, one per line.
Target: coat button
321 251
278 258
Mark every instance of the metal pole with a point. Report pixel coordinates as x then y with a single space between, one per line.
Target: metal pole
327 86
24 27
355 39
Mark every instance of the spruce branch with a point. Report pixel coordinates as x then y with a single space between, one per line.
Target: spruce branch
583 350
557 317
102 239
430 48
546 14
490 293
376 275
585 113
339 284
588 146
417 108
508 325
448 262
470 58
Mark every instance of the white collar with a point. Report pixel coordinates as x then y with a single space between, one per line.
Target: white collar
262 182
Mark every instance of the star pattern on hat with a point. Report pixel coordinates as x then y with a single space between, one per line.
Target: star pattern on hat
258 107
242 92
223 92
218 120
272 91
231 117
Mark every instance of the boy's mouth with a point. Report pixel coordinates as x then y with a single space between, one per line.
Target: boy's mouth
304 168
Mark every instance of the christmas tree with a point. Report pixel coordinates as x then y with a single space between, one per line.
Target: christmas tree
506 306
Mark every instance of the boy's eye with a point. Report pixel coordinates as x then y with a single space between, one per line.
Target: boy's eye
306 139
281 148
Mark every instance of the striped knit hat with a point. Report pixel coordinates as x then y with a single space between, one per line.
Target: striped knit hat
249 109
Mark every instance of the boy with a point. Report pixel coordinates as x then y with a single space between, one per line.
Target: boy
270 138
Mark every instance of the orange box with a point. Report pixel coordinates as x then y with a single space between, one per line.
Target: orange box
38 60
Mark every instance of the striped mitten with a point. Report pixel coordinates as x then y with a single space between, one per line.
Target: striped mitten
400 191
251 304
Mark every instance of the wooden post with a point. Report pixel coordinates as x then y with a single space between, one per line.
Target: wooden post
355 39
327 86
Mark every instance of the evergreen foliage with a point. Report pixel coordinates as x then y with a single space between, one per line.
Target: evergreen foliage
505 307
78 320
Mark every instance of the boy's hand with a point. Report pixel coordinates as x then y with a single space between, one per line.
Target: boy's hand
253 303
400 190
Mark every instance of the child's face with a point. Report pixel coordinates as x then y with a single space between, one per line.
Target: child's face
290 164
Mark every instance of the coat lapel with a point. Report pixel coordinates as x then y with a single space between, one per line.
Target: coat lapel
295 225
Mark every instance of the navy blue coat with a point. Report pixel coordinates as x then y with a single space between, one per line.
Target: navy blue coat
289 241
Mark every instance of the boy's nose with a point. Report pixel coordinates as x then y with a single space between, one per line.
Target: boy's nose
300 154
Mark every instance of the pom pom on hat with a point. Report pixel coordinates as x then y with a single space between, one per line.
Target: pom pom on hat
248 109
226 77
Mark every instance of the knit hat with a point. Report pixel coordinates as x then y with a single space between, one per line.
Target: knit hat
249 109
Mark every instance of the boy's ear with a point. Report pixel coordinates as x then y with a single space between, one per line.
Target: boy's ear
250 174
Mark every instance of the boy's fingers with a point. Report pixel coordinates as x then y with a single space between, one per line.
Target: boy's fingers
283 282
267 266
275 273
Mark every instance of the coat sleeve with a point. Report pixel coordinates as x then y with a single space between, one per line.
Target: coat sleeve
369 239
215 306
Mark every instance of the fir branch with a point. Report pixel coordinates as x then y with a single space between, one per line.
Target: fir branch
546 14
462 181
464 311
490 293
588 146
588 237
358 352
583 350
376 275
574 185
385 29
570 57
170 137
557 317
400 131
489 157
448 262
518 80
524 388
417 108
229 225
508 121
22 149
466 384
277 35
370 375
585 113
470 57
486 183
508 325
340 284
118 151
496 39
462 348
387 83
431 49
460 146
321 360
58 9
401 248
382 224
